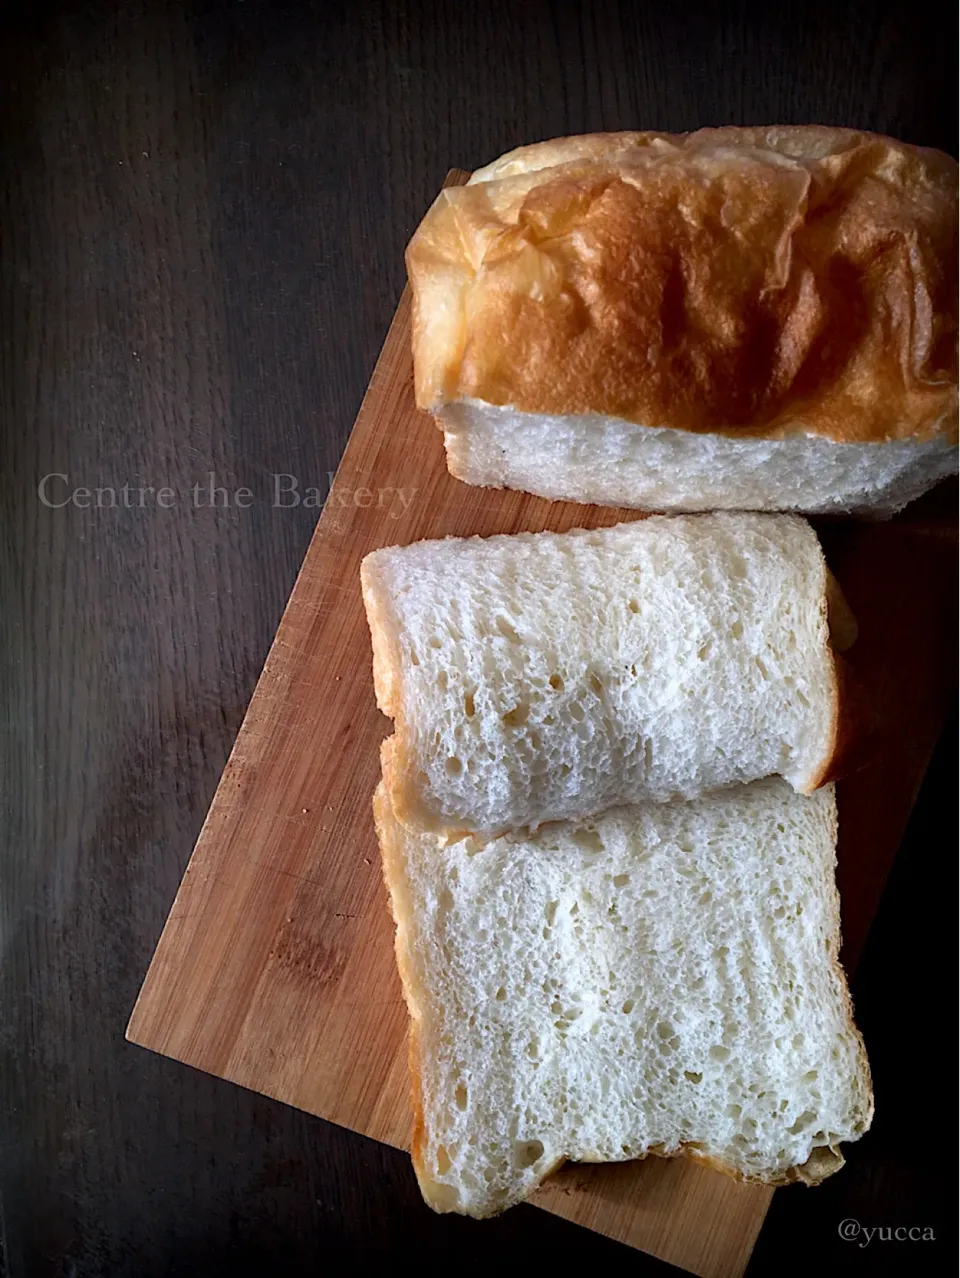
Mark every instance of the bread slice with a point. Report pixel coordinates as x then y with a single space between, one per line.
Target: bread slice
737 318
662 979
543 677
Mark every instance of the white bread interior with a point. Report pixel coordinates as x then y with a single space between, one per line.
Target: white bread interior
608 461
541 677
662 979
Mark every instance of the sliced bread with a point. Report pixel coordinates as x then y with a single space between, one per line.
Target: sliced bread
541 677
662 979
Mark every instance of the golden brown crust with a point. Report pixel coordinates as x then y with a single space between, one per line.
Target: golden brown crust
839 628
856 723
417 1128
751 282
824 1161
855 727
850 716
840 619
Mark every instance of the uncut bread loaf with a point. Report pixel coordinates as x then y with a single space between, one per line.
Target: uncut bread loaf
541 677
737 318
662 979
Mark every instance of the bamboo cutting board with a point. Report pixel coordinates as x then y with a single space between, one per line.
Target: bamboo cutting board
275 968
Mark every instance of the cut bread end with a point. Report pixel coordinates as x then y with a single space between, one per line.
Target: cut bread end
608 461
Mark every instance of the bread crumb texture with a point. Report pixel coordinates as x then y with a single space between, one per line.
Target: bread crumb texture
661 979
547 676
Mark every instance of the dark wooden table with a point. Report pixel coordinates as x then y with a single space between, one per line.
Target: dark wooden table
204 209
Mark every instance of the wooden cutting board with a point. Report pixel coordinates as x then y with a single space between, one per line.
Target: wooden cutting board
275 968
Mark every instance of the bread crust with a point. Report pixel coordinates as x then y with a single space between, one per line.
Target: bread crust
384 637
757 282
854 718
824 1161
391 863
408 805
387 682
852 726
838 624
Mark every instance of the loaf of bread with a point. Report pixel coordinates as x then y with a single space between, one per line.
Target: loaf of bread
660 980
738 318
542 677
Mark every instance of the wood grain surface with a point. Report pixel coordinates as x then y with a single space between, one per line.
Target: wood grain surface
203 208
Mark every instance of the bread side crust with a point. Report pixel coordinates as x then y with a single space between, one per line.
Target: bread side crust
819 773
824 1161
384 637
833 954
842 634
854 720
396 766
392 865
539 250
408 807
841 622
